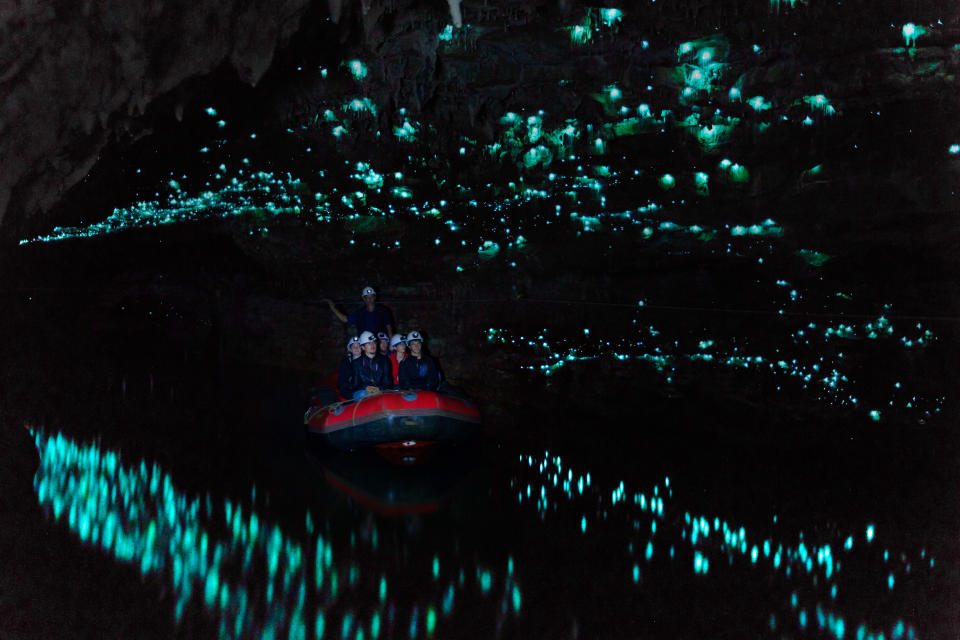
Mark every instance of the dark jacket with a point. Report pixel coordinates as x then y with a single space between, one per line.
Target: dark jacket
418 373
345 376
375 371
375 321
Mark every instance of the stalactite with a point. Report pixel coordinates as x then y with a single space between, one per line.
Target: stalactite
455 16
336 8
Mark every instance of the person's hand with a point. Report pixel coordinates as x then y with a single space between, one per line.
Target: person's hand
372 389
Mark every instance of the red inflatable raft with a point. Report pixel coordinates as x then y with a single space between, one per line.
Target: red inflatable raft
394 419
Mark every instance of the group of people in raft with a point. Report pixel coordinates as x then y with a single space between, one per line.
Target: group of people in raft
379 359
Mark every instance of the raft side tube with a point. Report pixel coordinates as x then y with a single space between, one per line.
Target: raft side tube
399 429
394 417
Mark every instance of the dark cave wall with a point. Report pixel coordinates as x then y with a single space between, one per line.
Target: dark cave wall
75 76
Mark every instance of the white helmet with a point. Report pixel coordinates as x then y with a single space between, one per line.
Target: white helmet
367 337
368 291
414 335
396 339
351 341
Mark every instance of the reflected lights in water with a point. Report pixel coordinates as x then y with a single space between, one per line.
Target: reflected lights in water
258 580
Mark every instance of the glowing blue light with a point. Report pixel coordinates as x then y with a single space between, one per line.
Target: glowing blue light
909 30
358 69
899 630
611 16
580 34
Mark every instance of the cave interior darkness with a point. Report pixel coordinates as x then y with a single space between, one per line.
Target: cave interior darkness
709 241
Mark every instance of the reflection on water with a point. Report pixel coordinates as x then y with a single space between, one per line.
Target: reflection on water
812 568
388 483
258 578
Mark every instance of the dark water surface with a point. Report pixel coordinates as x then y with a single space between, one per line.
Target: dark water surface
153 488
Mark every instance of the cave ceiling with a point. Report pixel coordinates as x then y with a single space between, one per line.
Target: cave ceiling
718 103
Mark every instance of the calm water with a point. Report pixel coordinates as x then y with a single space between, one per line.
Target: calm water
150 489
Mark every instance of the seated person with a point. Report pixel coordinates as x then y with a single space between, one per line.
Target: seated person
345 371
372 372
399 348
383 344
417 370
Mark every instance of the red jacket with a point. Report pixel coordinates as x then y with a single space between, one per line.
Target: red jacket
396 366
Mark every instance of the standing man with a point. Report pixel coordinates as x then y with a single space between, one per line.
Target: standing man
371 316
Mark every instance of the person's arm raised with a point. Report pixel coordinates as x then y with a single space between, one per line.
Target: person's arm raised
340 315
